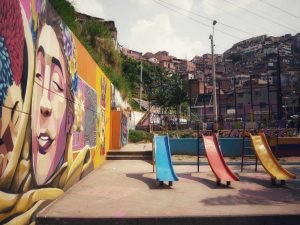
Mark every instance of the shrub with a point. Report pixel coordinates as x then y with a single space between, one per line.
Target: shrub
139 136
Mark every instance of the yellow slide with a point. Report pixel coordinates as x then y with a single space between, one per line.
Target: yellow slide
268 160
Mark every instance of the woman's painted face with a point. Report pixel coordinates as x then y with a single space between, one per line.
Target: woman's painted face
49 104
9 124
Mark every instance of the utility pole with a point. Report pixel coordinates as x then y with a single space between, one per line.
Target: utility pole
251 103
235 106
219 98
141 80
269 106
279 94
215 108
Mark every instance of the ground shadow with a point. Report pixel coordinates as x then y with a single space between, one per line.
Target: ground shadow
262 181
209 183
249 196
263 194
151 182
263 178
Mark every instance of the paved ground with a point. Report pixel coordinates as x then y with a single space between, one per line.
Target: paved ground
137 147
126 192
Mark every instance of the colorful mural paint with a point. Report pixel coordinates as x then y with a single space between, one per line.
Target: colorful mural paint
124 129
270 132
54 100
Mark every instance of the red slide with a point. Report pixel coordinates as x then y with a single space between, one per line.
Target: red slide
216 160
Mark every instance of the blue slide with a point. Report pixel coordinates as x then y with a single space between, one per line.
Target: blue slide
163 161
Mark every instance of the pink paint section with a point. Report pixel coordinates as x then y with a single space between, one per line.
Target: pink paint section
119 214
26 7
78 141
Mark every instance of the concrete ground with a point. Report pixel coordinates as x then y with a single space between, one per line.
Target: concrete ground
126 192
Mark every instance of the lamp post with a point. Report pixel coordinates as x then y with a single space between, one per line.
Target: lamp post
215 108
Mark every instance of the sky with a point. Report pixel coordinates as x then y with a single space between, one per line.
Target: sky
183 27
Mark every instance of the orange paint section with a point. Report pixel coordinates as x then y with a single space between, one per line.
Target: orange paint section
115 124
273 141
92 74
85 63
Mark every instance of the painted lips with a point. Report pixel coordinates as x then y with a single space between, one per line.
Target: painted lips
44 141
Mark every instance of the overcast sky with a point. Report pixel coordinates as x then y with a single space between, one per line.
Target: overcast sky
182 27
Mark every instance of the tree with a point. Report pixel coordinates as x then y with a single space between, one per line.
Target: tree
178 93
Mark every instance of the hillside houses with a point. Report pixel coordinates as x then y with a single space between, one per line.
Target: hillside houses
247 78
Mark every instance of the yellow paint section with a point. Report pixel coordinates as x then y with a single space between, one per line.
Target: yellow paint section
97 159
107 114
268 160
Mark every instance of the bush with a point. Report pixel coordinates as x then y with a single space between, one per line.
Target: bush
139 136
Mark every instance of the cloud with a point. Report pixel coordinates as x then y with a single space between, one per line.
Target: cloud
157 34
92 8
209 7
213 7
141 2
187 4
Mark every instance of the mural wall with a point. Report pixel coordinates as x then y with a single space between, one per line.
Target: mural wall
124 129
55 109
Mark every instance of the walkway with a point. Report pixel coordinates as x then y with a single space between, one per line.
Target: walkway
126 192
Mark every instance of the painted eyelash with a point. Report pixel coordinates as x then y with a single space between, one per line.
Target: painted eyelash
61 89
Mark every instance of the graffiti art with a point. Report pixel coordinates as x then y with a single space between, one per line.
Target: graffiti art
48 113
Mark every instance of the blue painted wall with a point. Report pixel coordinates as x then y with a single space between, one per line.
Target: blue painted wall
230 147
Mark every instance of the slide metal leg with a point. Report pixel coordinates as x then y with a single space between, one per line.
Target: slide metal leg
273 181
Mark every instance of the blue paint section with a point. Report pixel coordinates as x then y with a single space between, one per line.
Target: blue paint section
163 161
231 147
185 146
283 150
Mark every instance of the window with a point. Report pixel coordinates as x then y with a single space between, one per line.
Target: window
257 93
263 105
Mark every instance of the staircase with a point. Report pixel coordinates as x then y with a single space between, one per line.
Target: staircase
145 155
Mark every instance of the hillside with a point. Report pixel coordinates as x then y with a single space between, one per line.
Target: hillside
122 71
96 38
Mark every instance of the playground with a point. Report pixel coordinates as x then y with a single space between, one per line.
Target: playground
127 192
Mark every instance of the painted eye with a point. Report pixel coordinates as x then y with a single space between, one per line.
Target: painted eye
15 113
39 77
57 87
57 84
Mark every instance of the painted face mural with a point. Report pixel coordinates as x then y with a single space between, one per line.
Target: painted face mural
49 105
53 99
16 69
38 81
10 73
